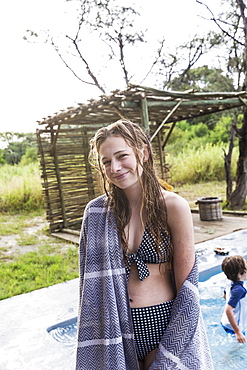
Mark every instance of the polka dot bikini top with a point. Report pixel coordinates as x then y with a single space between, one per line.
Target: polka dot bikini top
146 253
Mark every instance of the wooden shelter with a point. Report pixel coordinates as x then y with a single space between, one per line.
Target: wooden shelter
63 140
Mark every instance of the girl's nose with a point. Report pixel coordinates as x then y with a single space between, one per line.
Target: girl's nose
115 166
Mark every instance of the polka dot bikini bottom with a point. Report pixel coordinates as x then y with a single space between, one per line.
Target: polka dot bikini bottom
149 325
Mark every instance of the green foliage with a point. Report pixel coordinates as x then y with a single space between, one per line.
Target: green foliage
35 270
2 160
199 130
191 131
30 156
188 135
221 131
20 188
199 165
13 153
16 145
202 79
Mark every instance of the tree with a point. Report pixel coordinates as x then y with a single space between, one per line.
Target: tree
114 34
30 156
238 196
2 160
17 145
202 79
233 25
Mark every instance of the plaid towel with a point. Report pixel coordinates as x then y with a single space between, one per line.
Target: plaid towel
105 332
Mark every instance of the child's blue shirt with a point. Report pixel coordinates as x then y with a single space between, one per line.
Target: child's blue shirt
237 298
237 292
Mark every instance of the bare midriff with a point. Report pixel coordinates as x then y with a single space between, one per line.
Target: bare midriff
155 289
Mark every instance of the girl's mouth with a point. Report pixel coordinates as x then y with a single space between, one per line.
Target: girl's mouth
120 177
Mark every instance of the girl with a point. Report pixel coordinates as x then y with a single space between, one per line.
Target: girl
137 251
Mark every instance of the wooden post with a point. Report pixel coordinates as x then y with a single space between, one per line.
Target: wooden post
86 149
45 184
167 117
161 156
168 135
59 182
144 113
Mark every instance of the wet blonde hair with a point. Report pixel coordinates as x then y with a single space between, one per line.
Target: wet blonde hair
153 202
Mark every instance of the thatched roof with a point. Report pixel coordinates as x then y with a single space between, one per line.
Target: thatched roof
132 102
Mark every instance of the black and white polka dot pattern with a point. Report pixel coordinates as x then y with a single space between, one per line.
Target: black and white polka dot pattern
146 253
149 325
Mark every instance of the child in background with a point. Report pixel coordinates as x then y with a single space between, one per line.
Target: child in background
234 318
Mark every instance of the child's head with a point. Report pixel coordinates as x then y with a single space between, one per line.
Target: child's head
234 266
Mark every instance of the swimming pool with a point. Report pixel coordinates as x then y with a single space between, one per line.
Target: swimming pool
65 332
227 353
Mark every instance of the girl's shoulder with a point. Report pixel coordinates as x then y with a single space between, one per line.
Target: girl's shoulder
174 200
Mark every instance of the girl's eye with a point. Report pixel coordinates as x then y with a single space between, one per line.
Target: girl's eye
105 163
122 155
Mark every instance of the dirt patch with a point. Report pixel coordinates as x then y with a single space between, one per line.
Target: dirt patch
30 238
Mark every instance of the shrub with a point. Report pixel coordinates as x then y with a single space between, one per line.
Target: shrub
200 165
30 156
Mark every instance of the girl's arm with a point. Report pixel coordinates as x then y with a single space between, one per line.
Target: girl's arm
182 233
239 335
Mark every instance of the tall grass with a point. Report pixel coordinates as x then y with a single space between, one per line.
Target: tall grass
203 164
20 188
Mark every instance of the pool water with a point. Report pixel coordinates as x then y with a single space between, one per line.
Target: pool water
65 333
226 352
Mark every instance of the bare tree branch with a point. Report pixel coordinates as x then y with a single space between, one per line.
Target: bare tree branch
159 52
96 83
66 64
194 56
217 22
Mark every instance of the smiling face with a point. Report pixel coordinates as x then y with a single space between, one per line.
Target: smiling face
119 162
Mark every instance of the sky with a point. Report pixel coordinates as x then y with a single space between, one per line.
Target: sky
34 83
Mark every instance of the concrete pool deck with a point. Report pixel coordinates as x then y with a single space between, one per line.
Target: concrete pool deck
25 343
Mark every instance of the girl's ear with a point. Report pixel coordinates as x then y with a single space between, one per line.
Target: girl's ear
146 153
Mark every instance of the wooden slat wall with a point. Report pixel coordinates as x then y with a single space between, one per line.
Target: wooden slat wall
67 177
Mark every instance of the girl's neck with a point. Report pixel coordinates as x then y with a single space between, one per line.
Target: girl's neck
134 196
135 204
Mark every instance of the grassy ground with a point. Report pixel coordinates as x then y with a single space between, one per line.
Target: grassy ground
191 192
31 259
